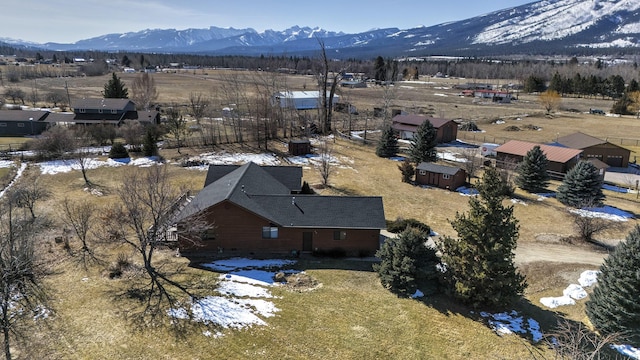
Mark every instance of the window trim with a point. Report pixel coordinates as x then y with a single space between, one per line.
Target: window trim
446 176
422 172
339 235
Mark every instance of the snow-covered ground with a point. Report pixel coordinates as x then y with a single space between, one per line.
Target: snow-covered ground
244 298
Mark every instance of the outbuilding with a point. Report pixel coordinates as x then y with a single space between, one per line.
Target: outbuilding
441 176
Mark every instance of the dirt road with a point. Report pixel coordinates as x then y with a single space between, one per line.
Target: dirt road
539 251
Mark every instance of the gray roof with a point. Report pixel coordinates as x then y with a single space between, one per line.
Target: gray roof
580 141
56 117
22 115
253 188
101 103
290 176
438 169
352 212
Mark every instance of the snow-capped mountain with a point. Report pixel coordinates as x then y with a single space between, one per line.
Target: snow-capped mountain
188 40
547 26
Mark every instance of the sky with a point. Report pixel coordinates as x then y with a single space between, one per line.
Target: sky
67 21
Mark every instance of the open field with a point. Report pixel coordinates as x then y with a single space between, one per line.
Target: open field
350 316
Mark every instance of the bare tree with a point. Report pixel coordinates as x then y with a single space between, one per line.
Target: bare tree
575 342
22 294
57 97
80 216
472 162
132 132
328 84
141 219
144 91
176 125
588 226
82 155
325 165
198 104
28 192
550 100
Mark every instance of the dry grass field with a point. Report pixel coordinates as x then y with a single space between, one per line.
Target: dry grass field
350 316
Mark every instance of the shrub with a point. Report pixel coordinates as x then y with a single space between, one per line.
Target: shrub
400 224
118 151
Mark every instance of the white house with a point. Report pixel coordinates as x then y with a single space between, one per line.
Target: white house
299 100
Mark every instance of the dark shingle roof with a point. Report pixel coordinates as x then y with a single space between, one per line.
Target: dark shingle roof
290 176
416 120
100 103
255 189
353 212
22 115
438 169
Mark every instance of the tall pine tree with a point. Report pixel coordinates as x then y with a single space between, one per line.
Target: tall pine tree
115 89
388 144
614 306
532 172
423 144
581 186
479 264
406 261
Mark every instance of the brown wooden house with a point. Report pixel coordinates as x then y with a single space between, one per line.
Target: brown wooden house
254 210
595 148
441 176
561 159
407 125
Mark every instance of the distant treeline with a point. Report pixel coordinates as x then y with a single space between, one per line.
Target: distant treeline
520 70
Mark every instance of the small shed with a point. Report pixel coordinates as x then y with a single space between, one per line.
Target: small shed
441 176
299 147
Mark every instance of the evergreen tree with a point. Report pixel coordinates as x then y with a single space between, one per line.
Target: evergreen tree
150 143
423 144
118 151
407 171
406 262
115 88
388 143
582 185
380 69
633 86
479 263
532 172
614 306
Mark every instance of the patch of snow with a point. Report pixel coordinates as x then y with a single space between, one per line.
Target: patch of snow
227 313
440 94
575 292
588 278
23 166
6 163
509 323
237 289
554 302
518 201
627 350
598 214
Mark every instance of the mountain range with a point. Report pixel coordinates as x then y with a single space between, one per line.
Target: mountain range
542 27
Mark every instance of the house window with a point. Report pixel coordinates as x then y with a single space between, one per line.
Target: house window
20 124
422 172
82 110
114 111
339 235
209 234
3 124
99 111
269 232
446 176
